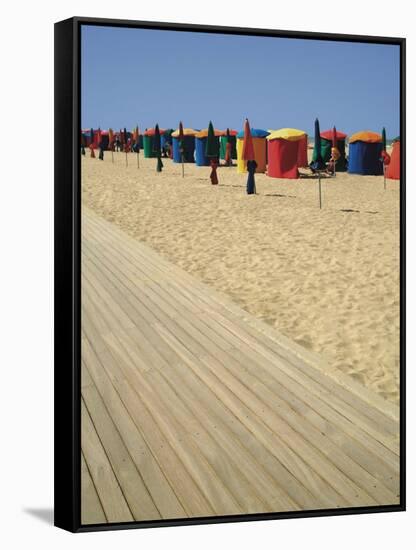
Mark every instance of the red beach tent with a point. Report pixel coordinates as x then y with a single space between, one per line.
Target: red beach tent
393 169
283 153
303 152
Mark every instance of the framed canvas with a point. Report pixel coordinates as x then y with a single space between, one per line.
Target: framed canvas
229 274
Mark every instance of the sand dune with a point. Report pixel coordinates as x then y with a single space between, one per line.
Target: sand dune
328 279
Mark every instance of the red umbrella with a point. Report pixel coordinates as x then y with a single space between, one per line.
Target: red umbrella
248 156
248 147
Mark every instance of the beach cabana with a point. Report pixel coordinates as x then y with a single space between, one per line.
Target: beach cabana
223 144
166 138
393 169
260 150
303 151
326 146
365 154
200 146
148 142
283 152
189 145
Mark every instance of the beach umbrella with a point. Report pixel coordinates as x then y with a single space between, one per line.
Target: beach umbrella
335 154
125 144
82 143
121 138
385 157
181 139
111 143
248 156
100 145
156 148
212 152
318 164
138 146
317 160
92 143
228 149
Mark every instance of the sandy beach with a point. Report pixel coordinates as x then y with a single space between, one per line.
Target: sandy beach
328 279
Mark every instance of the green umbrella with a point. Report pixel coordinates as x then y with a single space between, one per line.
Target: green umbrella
318 164
156 149
212 152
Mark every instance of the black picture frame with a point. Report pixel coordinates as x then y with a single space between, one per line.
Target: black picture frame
68 281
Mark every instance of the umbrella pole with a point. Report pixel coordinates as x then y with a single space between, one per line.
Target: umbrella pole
183 168
127 163
112 155
138 160
320 192
384 174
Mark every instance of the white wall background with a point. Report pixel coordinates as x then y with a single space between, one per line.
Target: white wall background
26 274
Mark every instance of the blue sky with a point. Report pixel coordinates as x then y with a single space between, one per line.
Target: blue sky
141 76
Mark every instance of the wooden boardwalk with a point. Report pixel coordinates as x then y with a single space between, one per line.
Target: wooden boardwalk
192 407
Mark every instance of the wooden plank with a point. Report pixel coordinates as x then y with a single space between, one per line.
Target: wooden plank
105 481
91 510
131 483
161 491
